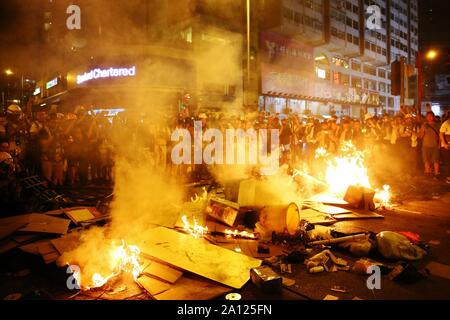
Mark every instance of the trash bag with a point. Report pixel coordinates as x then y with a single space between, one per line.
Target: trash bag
393 245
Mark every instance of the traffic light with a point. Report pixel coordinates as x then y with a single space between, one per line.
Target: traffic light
396 78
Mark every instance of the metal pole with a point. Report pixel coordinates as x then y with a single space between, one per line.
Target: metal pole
419 83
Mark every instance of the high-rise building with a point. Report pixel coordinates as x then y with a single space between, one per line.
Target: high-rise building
353 43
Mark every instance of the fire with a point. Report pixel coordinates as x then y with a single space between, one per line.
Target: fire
321 152
196 230
383 196
346 170
125 258
349 169
242 234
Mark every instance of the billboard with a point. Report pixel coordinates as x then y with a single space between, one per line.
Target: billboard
287 66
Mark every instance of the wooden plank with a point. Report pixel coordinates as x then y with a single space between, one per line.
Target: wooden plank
199 256
163 272
193 287
152 286
46 224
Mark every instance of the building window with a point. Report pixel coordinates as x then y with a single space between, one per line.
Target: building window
356 66
356 82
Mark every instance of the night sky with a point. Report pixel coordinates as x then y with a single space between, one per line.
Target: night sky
21 28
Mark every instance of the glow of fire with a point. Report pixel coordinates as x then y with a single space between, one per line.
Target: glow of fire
348 169
242 234
123 259
195 230
383 196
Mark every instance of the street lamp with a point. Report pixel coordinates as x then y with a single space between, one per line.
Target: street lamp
9 72
429 55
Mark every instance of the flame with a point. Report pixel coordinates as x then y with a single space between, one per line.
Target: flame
197 199
125 258
242 234
196 230
321 152
348 169
383 197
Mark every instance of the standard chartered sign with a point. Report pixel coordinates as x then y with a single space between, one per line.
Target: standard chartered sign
106 73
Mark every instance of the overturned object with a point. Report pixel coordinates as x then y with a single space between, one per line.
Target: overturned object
360 197
266 279
223 210
281 218
393 245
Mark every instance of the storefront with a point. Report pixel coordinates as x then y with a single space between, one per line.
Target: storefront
289 83
153 84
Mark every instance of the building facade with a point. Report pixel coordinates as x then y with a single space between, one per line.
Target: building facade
354 43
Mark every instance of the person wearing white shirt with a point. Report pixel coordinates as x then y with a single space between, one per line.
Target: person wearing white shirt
445 144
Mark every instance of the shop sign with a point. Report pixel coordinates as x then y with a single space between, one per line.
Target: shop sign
52 83
99 73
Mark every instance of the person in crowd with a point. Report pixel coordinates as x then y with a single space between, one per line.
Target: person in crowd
445 145
429 133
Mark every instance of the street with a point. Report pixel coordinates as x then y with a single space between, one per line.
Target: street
423 211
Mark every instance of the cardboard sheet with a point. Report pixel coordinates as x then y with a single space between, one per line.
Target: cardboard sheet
316 217
152 286
327 198
331 210
67 243
80 215
192 287
162 271
46 224
199 256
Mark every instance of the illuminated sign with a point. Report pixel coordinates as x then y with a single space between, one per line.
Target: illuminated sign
37 91
51 83
322 74
106 73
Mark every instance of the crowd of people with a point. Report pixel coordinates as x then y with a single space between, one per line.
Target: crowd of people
79 148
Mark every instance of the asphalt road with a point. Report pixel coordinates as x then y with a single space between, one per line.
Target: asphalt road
423 208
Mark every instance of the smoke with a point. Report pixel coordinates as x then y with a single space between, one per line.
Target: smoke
145 193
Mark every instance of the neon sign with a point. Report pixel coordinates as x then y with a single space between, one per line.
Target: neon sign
51 83
98 73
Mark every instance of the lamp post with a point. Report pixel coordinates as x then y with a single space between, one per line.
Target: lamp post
420 57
